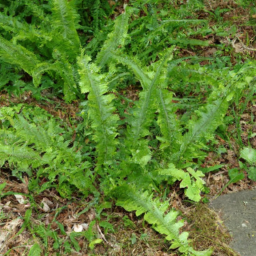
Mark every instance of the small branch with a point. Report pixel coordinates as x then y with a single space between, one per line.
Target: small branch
244 46
104 238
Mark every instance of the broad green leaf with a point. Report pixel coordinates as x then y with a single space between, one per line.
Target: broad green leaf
2 186
249 154
252 173
35 250
193 193
94 242
235 175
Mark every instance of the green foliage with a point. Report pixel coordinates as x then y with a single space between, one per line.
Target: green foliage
208 119
249 154
48 44
93 14
134 150
64 27
115 39
47 49
152 31
190 180
100 110
142 116
35 250
24 58
33 140
133 200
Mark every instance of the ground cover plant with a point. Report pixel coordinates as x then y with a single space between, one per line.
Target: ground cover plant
150 110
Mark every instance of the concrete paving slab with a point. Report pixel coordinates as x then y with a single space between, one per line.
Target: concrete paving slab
238 212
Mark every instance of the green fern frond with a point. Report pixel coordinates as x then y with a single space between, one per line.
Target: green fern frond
202 128
104 122
95 15
31 133
133 65
190 180
14 149
115 39
168 122
18 55
12 24
143 115
63 23
42 140
132 199
24 156
65 70
38 11
47 141
42 68
22 31
33 140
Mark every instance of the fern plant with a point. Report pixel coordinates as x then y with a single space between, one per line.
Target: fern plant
34 140
54 45
128 169
51 47
61 37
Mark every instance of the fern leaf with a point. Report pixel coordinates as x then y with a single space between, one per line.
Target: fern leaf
18 55
210 117
190 180
143 115
167 121
19 153
42 68
32 133
63 17
100 110
12 24
38 142
134 66
65 70
143 203
95 15
38 11
115 39
22 30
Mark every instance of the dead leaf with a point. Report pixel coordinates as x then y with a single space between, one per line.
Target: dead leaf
8 231
20 199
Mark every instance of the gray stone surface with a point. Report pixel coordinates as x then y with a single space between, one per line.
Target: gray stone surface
238 212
